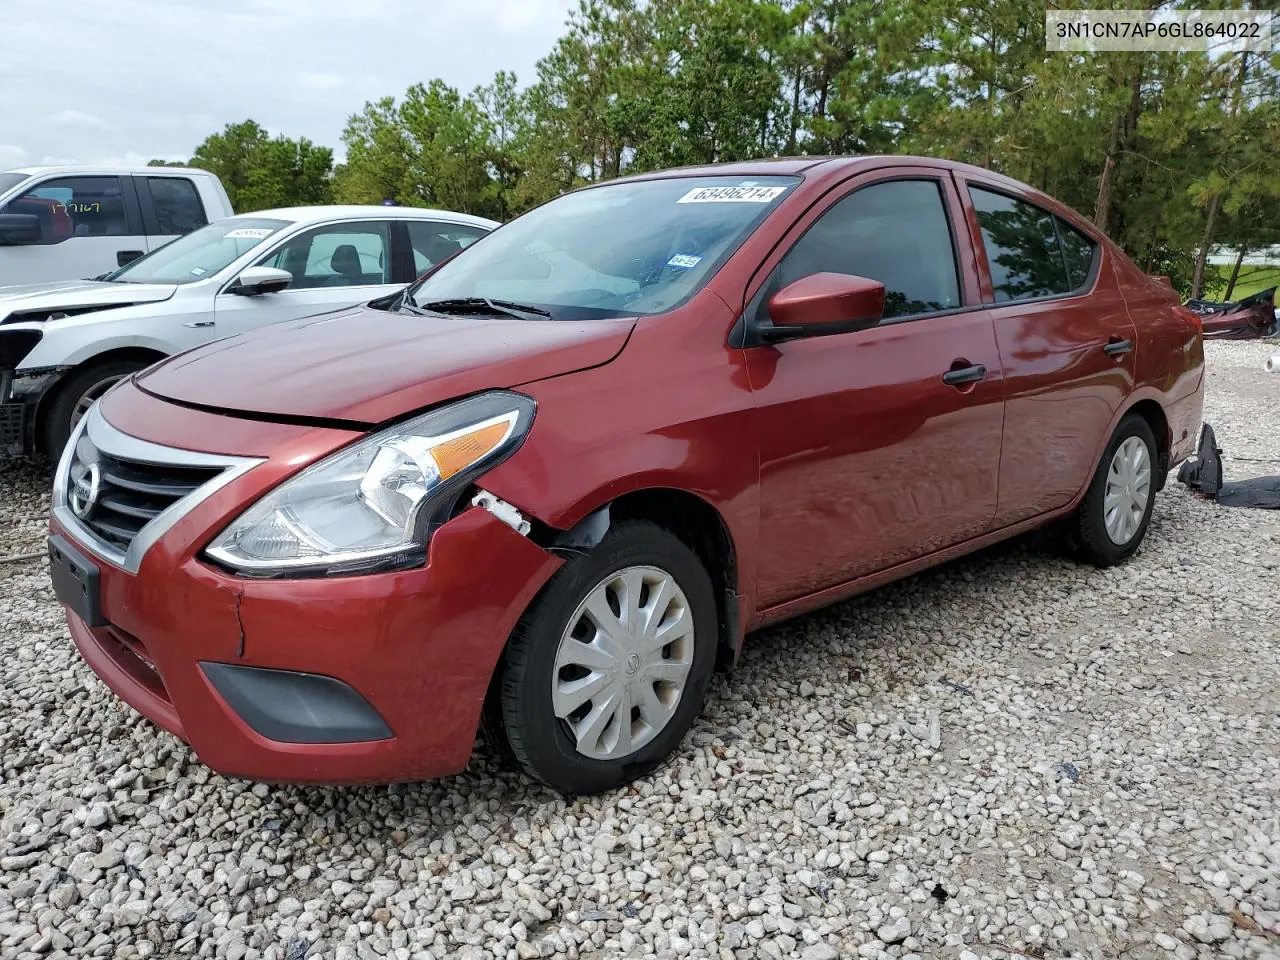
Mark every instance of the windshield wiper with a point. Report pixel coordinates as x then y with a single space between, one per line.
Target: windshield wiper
463 305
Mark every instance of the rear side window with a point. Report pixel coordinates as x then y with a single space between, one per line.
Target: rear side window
1022 248
177 205
68 207
1079 251
896 233
433 242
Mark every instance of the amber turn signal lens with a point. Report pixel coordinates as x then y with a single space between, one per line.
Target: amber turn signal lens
454 456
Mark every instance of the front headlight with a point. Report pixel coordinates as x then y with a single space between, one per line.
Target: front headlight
371 506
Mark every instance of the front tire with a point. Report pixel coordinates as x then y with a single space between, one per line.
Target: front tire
1112 519
609 667
77 394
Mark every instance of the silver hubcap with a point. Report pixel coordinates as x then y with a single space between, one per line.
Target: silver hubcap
1128 491
623 662
90 396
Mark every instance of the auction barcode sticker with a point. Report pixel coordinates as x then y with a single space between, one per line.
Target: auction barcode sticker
732 195
248 233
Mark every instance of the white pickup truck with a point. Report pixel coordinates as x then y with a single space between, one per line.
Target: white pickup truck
76 223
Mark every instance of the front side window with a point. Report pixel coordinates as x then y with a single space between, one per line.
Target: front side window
895 232
338 255
177 205
1023 254
631 248
433 242
68 207
201 254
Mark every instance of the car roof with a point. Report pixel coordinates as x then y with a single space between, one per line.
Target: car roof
364 212
88 169
825 165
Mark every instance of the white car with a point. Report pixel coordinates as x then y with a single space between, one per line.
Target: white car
63 345
68 223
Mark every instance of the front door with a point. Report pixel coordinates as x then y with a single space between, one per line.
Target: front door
869 458
85 226
336 265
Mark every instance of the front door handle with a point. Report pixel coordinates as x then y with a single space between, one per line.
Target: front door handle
1115 347
959 376
126 257
199 324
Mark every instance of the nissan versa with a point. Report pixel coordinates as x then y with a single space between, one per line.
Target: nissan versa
552 485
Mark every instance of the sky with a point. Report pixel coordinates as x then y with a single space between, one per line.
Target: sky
125 81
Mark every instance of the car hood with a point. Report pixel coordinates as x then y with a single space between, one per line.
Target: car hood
368 366
37 300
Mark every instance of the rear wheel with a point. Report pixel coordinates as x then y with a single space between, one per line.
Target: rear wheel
608 669
1111 521
77 394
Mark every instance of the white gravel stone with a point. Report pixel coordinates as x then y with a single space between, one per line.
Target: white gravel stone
1010 754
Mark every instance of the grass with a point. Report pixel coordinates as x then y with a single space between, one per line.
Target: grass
1250 281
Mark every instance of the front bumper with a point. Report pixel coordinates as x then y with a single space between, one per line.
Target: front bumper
410 654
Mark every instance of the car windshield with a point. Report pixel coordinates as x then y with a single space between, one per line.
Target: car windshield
200 254
622 249
10 180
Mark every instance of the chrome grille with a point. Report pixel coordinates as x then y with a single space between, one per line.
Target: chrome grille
116 495
130 494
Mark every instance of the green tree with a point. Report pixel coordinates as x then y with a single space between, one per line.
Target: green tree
260 171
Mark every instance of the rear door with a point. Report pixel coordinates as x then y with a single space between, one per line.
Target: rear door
333 265
171 207
86 224
872 454
1066 344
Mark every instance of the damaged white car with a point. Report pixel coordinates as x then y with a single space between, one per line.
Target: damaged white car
63 345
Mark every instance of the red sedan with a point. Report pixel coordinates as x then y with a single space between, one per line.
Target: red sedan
554 483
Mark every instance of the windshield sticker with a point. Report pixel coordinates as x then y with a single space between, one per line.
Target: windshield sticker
198 271
733 195
684 261
248 233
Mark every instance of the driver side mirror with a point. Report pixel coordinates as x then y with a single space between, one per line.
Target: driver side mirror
19 228
254 281
823 304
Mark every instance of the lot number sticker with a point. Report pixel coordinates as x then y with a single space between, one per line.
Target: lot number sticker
732 195
248 233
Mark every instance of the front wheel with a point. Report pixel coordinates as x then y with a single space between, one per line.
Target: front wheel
608 669
77 394
1112 519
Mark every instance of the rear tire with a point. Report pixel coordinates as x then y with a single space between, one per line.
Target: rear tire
643 696
1112 519
76 394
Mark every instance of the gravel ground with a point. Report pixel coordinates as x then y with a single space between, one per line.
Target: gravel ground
1011 756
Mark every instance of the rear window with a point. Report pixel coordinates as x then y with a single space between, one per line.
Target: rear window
177 205
10 180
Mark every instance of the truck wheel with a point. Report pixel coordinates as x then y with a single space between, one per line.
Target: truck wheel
1111 521
608 668
77 394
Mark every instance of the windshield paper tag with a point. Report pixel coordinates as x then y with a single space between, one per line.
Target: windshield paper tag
733 195
684 261
247 233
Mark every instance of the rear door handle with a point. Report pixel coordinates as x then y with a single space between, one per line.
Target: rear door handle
1116 347
199 324
956 378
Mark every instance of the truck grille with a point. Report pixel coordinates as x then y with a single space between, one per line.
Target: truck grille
130 494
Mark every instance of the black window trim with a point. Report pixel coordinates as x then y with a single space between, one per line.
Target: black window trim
739 336
128 199
150 220
1083 290
304 228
